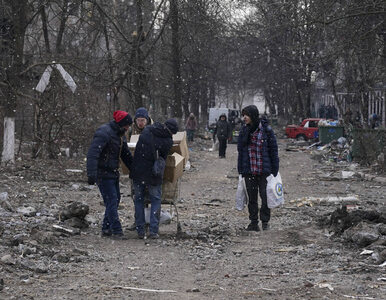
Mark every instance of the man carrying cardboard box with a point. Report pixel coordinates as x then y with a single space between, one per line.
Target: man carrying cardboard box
156 138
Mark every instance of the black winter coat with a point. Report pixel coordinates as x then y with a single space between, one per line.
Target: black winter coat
103 154
158 135
270 155
223 129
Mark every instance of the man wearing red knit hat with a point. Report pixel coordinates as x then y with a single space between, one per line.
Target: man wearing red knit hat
107 147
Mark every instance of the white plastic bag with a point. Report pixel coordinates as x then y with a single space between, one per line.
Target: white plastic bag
164 218
275 195
241 194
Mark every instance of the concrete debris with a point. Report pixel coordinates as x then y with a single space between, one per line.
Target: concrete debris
8 259
75 209
27 211
72 231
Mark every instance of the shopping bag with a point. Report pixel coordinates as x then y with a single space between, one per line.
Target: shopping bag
275 195
241 194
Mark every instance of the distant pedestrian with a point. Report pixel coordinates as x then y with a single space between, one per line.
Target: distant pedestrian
191 127
156 138
257 159
108 146
223 131
374 121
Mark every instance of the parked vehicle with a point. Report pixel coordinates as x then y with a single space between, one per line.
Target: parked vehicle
307 130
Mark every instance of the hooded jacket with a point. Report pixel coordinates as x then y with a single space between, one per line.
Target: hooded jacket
223 129
105 150
159 136
269 150
139 113
191 123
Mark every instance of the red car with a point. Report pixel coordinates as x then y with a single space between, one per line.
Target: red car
308 129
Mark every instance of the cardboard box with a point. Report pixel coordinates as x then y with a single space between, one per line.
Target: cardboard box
180 146
174 167
134 138
131 145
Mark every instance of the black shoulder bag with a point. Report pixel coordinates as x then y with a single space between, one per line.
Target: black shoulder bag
159 162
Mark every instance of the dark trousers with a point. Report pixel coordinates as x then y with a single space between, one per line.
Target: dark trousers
257 184
111 195
155 210
222 147
190 134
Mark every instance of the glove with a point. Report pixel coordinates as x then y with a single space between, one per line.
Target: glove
91 180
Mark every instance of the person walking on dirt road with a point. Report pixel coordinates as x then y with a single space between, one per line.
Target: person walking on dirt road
108 146
191 127
154 138
257 159
223 131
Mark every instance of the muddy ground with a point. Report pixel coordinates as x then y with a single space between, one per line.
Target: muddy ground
214 257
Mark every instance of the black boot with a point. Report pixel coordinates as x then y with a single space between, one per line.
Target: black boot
265 226
253 227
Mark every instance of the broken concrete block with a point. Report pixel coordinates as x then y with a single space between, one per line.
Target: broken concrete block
27 211
75 209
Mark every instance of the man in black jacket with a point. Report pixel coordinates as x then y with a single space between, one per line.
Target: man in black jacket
156 138
107 147
223 131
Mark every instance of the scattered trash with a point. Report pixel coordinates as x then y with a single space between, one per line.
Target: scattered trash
309 200
143 290
74 170
3 196
165 216
73 231
326 285
347 174
366 252
27 211
382 279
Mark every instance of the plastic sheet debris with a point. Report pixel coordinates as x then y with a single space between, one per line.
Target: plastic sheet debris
347 174
366 252
326 285
187 166
74 170
310 200
165 216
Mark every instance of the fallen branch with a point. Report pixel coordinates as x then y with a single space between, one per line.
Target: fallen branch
144 290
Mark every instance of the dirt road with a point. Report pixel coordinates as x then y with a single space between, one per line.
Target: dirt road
215 259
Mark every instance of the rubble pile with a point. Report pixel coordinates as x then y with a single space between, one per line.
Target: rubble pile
33 237
363 228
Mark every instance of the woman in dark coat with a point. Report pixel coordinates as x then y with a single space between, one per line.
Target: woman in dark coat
257 159
223 131
156 137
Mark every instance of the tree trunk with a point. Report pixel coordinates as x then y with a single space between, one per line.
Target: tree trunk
15 56
8 155
177 83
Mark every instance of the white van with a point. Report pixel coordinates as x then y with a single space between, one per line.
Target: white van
216 112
